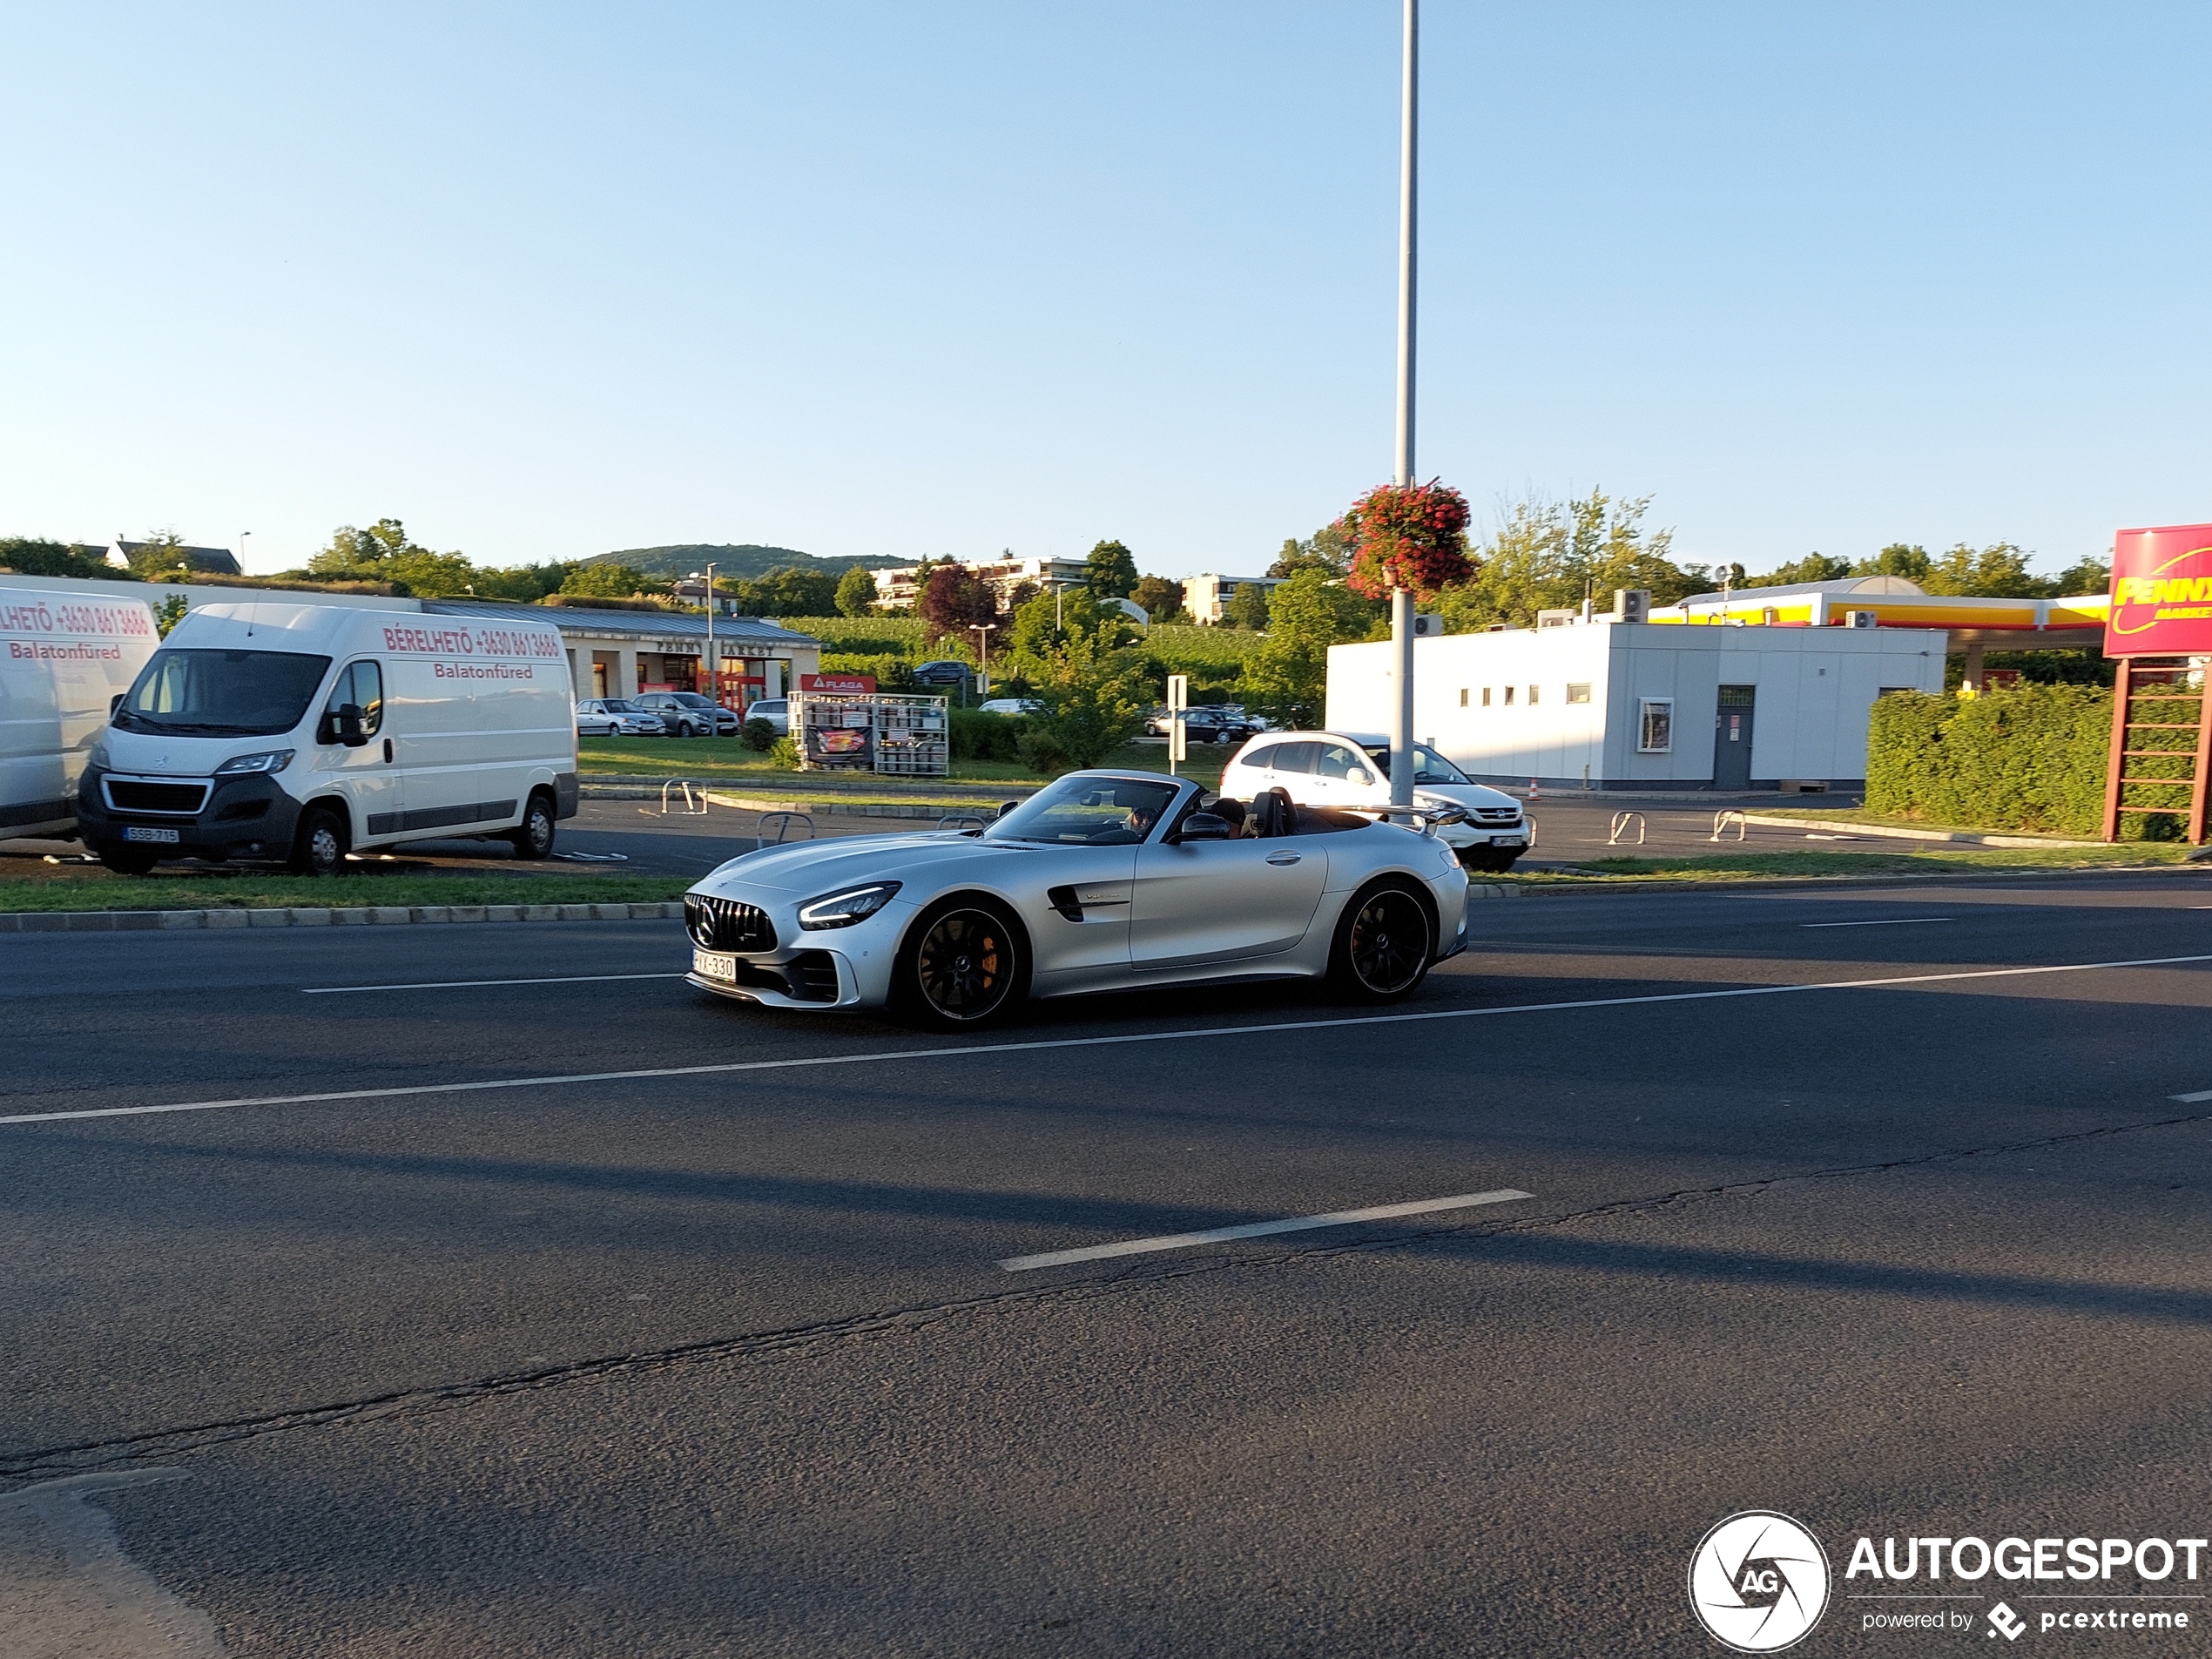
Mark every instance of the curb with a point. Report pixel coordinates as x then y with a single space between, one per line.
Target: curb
105 921
1492 890
1898 832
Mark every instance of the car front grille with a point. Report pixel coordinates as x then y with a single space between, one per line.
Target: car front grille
724 924
1497 814
128 795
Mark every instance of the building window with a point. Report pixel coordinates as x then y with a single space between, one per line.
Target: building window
1655 730
1509 696
1463 697
1486 697
1531 697
1578 693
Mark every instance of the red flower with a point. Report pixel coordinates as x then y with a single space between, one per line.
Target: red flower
1407 536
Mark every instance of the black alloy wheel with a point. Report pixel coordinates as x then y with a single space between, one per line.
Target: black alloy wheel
320 848
1383 946
962 966
533 837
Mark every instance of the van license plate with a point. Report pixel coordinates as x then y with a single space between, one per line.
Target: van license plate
1508 840
711 964
142 832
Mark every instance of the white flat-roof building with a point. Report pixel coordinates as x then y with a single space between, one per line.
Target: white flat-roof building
1207 596
897 589
1638 705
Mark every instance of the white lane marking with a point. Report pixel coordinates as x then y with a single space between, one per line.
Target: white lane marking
94 1598
463 984
962 1053
2192 1100
1886 921
1259 1230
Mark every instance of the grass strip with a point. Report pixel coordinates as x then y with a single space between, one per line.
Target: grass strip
216 890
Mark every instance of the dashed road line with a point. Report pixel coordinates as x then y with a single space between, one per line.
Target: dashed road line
1259 1230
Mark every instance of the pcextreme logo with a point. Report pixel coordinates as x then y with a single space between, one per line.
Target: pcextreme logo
1758 1582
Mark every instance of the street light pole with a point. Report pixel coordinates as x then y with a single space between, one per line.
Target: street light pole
242 534
713 659
1401 599
985 629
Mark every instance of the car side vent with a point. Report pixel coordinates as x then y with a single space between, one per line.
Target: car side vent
813 976
724 924
1063 899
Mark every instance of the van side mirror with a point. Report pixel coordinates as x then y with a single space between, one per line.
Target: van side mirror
343 724
1204 827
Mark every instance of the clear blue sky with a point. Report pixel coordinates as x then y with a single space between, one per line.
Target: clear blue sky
896 279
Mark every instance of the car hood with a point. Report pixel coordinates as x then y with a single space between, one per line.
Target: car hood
1467 795
815 866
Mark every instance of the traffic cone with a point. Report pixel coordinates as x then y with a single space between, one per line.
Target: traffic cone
1534 793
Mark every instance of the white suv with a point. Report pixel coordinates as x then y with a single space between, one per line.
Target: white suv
1352 770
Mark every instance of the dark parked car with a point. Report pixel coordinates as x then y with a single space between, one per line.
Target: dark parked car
1212 723
687 714
944 671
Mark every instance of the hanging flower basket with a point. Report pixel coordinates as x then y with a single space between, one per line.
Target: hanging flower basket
1407 536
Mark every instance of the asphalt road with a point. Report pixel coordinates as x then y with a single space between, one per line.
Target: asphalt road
512 1299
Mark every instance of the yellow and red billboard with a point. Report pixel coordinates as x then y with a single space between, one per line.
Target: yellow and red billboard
2162 592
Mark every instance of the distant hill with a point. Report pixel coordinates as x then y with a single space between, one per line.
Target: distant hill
743 561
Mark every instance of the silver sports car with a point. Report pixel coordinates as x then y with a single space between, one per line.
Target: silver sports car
1101 881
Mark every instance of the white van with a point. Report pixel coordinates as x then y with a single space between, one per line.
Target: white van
66 657
300 732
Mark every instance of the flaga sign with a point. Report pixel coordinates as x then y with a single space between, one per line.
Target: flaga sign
2162 592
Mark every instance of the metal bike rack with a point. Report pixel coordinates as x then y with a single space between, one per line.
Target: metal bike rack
961 821
784 823
1620 821
693 807
1721 819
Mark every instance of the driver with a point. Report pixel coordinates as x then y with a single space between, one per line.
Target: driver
1140 820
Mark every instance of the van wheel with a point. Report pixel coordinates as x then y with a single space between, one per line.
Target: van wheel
129 860
962 967
533 837
320 848
1384 945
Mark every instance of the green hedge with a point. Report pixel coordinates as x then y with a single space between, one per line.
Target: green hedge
2032 759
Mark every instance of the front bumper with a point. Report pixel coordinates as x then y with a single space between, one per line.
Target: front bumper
811 971
247 817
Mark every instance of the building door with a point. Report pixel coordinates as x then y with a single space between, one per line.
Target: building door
1732 738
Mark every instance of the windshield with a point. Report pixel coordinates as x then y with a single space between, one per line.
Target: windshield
1089 812
1429 767
222 693
615 706
692 699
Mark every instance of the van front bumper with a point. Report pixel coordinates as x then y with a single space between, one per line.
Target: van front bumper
245 818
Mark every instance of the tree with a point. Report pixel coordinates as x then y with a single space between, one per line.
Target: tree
1814 566
1549 557
1997 572
1328 549
1096 698
2092 575
1247 607
1895 559
603 582
1287 678
856 592
29 556
161 554
1161 598
1407 536
954 600
1042 627
1110 571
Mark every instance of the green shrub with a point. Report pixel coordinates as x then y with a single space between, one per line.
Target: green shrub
1038 750
2032 759
757 736
784 752
978 736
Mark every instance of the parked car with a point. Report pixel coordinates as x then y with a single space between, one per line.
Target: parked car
614 716
1014 705
1101 880
774 710
687 714
944 671
296 733
1208 723
1352 770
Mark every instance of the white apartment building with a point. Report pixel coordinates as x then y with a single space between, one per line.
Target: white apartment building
1207 596
897 589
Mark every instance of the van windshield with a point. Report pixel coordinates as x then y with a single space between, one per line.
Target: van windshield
222 693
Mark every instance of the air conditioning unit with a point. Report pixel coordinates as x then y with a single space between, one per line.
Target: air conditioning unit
1632 605
1558 619
1859 619
1428 627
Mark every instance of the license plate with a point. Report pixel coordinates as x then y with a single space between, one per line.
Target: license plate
1508 840
141 833
713 964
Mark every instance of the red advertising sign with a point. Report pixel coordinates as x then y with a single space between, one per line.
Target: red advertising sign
839 684
2162 592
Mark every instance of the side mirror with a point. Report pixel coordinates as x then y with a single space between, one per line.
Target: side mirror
350 716
1005 806
1204 827
115 702
1363 778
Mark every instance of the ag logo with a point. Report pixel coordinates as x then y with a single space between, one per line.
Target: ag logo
1758 1582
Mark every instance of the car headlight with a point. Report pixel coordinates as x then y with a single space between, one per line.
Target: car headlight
268 760
97 757
843 908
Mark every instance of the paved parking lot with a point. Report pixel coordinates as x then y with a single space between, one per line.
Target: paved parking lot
488 1291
